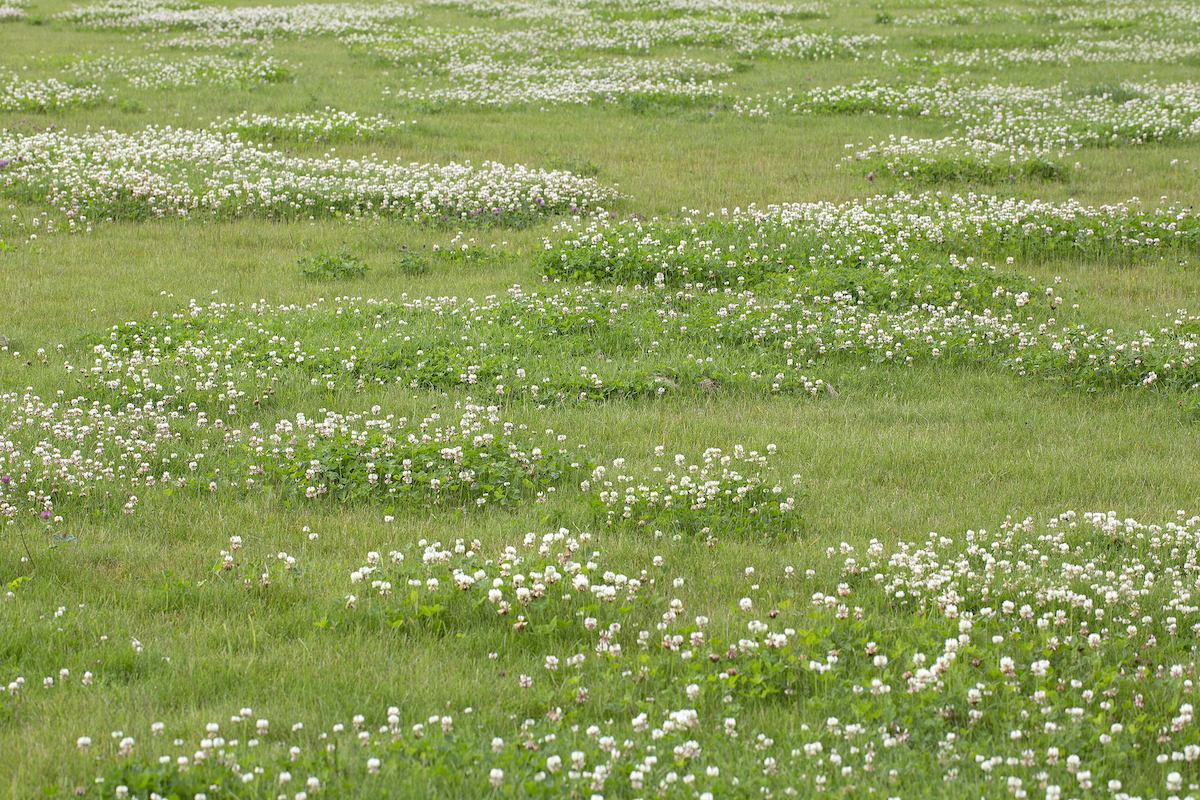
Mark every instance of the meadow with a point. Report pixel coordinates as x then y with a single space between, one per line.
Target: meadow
599 399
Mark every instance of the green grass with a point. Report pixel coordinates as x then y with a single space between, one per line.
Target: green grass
966 443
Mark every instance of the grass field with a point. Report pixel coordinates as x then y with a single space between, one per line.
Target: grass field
599 399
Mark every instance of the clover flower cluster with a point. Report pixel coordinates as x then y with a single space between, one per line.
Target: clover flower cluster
20 94
1164 35
997 123
1114 15
1058 119
894 304
1135 568
810 46
252 22
514 351
749 246
214 40
180 173
481 459
551 81
156 72
12 10
1033 655
753 37
1136 48
615 9
702 499
953 158
995 223
188 375
321 127
1018 606
57 457
424 50
455 586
